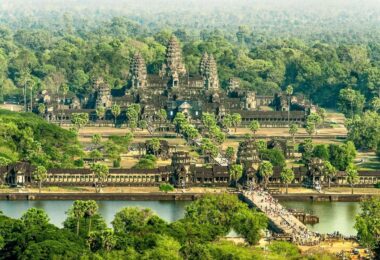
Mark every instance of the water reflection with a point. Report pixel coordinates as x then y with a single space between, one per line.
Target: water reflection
333 216
167 210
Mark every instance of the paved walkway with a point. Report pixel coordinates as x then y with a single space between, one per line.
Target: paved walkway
282 218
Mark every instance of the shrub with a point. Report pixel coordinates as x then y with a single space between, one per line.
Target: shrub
166 187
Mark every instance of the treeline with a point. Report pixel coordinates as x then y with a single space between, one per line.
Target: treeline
347 21
140 234
70 59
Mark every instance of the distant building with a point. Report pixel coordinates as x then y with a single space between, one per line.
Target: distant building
174 90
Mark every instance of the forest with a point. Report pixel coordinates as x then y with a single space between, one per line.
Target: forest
68 51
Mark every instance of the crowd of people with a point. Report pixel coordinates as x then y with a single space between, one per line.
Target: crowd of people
300 234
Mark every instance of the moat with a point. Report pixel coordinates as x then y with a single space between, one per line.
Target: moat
333 216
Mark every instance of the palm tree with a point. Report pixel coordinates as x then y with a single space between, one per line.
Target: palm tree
265 171
289 93
91 208
227 121
65 89
329 171
31 85
254 126
293 129
352 176
78 211
235 171
115 110
23 82
162 115
100 112
287 176
101 172
39 175
236 120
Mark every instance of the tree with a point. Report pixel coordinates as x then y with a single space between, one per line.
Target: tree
39 175
95 155
96 139
236 120
115 110
227 121
208 148
351 102
321 112
147 162
293 129
329 171
249 223
265 171
4 161
364 131
230 154
314 119
341 155
102 240
287 176
143 124
375 103
154 145
289 93
235 171
79 119
368 225
166 187
35 218
78 211
41 109
101 172
131 220
208 121
162 115
90 209
310 129
352 176
321 151
133 116
100 112
179 121
254 126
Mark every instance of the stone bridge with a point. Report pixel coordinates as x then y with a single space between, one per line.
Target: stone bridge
281 220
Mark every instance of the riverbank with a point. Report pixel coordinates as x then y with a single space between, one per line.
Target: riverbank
153 193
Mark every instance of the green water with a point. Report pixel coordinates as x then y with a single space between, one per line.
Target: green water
333 216
167 210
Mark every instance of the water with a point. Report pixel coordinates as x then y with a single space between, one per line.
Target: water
167 210
333 216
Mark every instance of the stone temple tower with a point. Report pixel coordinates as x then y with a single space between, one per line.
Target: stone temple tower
138 71
203 64
210 72
173 66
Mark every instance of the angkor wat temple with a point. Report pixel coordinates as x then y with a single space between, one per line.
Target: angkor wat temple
175 91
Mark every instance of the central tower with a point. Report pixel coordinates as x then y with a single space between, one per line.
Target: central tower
173 66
